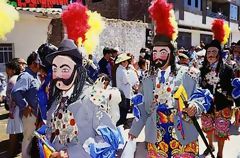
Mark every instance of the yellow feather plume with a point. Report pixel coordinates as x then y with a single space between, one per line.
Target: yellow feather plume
8 16
96 25
173 21
227 31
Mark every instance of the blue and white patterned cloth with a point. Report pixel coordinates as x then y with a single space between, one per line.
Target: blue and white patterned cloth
202 96
107 149
137 100
236 88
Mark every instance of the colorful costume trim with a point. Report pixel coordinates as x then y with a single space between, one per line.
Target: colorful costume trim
218 124
167 144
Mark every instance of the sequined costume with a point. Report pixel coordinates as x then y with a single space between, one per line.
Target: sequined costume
160 114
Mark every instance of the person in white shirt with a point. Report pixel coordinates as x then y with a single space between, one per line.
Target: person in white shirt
14 125
124 84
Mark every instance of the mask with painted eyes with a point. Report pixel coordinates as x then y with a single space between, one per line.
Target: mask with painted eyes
212 54
64 72
161 56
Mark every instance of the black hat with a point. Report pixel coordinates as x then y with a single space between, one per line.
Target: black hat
161 40
44 50
67 48
214 43
184 55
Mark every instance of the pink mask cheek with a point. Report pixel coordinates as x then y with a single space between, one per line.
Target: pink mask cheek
154 56
66 75
163 56
160 56
54 76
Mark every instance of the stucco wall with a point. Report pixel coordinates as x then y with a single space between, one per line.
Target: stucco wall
28 34
128 36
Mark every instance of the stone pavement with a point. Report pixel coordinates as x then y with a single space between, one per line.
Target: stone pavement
4 143
232 147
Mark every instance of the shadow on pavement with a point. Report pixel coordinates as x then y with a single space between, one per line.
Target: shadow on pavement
4 153
234 130
4 148
3 116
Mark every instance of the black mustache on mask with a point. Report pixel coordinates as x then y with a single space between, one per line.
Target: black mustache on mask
159 63
66 82
212 56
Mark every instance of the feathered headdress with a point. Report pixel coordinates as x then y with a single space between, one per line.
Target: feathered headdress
220 31
163 15
83 26
8 16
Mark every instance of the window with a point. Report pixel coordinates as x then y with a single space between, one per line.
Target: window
184 40
189 2
196 3
233 12
6 52
206 38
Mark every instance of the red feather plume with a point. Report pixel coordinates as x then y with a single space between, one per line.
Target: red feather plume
75 19
160 13
218 30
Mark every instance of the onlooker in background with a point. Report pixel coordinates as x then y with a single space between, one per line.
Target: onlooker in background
132 73
202 44
192 53
114 66
226 55
142 68
24 94
184 58
14 125
180 50
104 65
115 52
142 53
92 69
236 58
198 48
22 63
123 83
3 87
145 53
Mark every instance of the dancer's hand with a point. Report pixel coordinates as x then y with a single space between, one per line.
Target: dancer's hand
131 137
191 111
60 154
11 116
55 155
27 111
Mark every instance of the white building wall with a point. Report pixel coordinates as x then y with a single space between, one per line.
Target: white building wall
235 33
28 34
195 35
193 20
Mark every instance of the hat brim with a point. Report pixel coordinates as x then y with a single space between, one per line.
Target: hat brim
183 56
73 53
121 60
